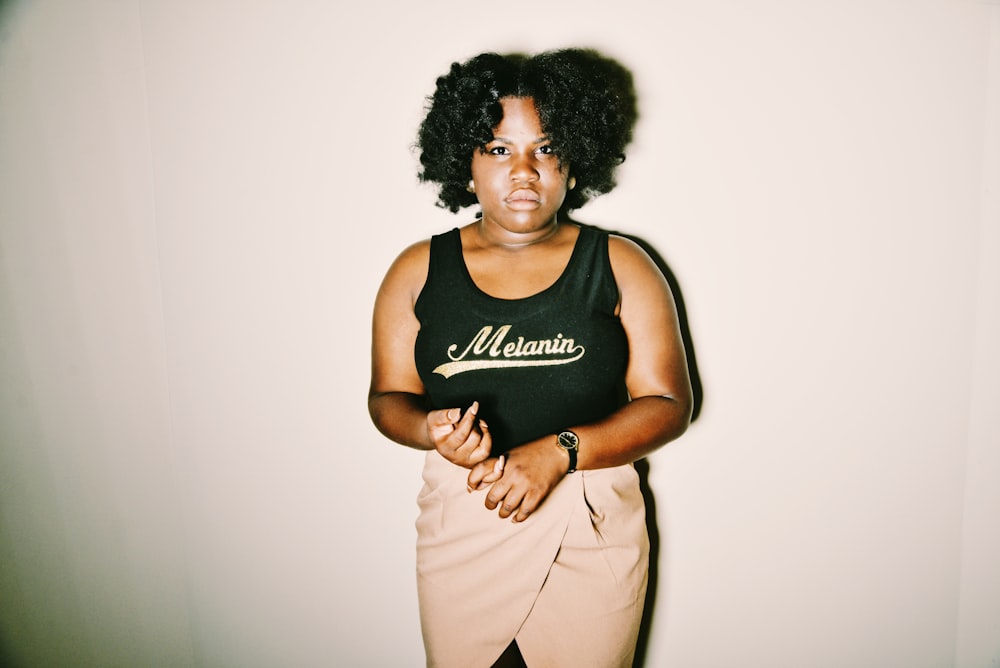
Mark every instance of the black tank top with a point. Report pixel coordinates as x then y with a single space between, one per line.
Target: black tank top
536 365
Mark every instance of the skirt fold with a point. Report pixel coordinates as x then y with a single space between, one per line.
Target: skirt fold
568 583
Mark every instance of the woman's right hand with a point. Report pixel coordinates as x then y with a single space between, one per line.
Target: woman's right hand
461 439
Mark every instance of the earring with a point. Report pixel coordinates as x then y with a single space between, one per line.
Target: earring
471 187
571 183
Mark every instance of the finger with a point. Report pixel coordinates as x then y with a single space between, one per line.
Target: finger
494 474
527 507
443 418
440 423
477 446
464 426
498 491
485 446
511 502
479 473
521 515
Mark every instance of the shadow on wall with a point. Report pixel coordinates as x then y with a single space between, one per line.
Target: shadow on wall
642 466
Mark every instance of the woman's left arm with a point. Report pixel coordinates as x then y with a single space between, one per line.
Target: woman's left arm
658 385
657 374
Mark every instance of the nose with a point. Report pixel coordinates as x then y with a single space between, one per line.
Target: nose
523 168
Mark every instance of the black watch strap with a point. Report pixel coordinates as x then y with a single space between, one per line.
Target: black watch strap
569 442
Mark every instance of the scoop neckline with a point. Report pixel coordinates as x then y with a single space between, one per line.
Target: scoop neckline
555 284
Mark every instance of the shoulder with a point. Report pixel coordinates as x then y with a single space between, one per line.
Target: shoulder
413 256
630 261
408 272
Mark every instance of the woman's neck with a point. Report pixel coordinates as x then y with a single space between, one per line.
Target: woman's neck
512 241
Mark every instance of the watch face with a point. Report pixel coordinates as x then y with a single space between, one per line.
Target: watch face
569 440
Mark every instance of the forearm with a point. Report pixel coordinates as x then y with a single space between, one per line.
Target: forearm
402 417
631 432
533 469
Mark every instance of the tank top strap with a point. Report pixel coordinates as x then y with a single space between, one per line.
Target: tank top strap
588 277
446 264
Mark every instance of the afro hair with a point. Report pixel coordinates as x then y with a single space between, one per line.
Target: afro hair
586 104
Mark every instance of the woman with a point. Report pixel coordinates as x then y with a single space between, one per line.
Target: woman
534 359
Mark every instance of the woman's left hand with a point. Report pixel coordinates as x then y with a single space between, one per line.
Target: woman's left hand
530 472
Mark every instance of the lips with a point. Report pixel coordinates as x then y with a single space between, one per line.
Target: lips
523 195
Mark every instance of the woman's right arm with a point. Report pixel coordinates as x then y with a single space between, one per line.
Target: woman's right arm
396 396
396 393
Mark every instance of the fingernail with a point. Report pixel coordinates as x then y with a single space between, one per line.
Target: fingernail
498 467
474 408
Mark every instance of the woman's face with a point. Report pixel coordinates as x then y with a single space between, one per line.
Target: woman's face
519 181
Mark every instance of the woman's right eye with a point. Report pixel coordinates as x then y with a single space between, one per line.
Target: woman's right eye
497 150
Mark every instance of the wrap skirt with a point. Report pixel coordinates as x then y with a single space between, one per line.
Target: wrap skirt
568 583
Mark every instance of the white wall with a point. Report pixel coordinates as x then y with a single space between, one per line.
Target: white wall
198 200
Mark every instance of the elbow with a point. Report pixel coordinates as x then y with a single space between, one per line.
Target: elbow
677 411
377 410
681 419
373 410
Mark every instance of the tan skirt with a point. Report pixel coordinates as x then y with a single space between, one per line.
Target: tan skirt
568 583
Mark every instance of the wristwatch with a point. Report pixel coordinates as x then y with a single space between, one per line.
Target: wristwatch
569 442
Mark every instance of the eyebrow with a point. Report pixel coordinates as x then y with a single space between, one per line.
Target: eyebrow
505 140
